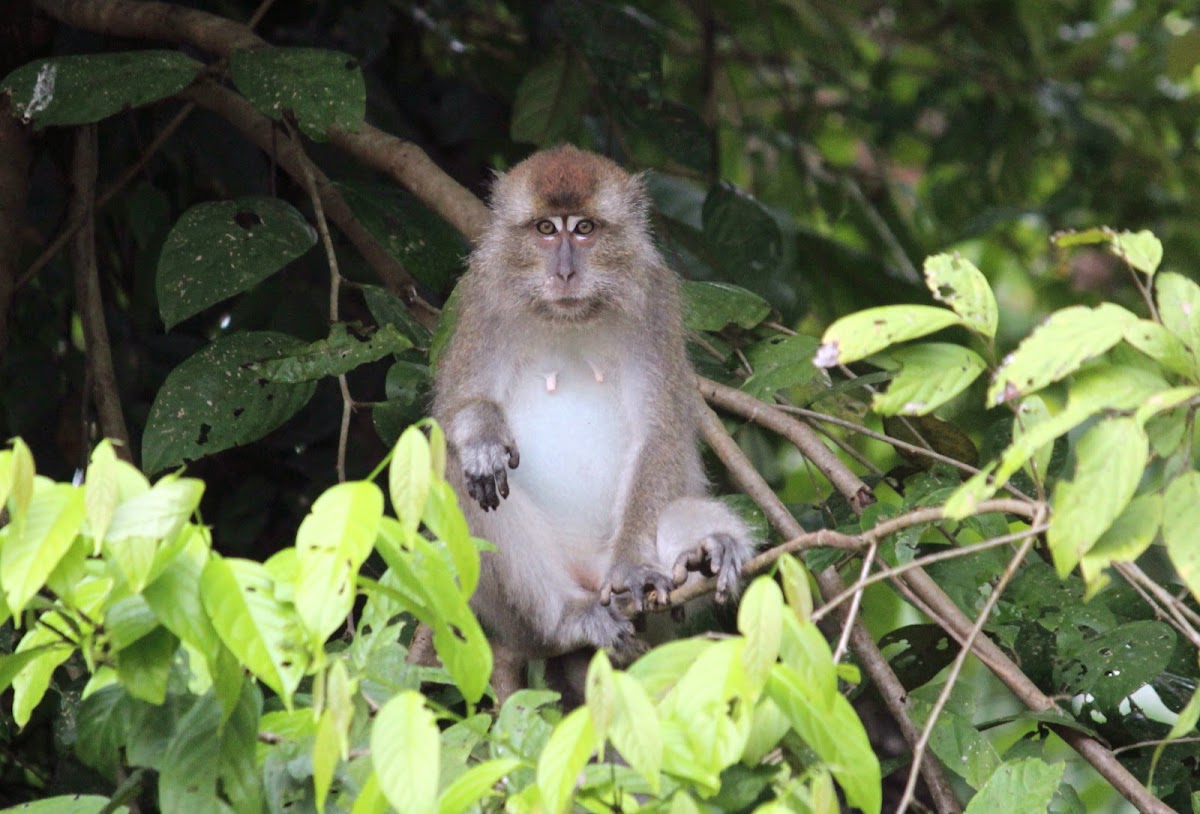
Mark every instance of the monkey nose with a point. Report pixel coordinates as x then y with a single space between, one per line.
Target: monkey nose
564 261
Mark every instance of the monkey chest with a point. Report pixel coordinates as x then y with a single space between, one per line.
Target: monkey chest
571 420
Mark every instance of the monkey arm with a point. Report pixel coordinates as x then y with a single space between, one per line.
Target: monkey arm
481 439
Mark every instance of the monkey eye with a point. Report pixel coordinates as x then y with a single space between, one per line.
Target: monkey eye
585 227
545 226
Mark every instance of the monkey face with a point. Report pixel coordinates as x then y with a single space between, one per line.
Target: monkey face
568 286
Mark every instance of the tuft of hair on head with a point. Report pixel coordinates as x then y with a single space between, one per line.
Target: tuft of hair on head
566 180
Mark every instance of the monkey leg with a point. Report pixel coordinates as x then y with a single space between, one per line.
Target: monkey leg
703 536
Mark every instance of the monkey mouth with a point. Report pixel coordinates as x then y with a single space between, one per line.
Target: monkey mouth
576 308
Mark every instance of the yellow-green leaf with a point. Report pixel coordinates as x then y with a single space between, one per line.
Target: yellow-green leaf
406 753
1181 518
930 374
956 281
859 335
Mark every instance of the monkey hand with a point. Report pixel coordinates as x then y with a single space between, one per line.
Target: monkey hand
718 555
607 628
644 582
483 463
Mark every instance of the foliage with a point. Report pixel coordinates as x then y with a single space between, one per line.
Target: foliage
803 158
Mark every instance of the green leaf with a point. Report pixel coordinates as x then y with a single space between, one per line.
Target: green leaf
325 757
795 587
101 493
333 542
445 519
388 309
19 475
86 88
209 765
1107 668
1057 348
1110 459
212 401
1162 346
620 46
958 744
1142 250
834 733
1178 301
635 730
1031 412
222 248
263 632
550 102
1026 785
1181 518
712 306
930 374
407 386
760 620
420 239
956 281
409 478
741 234
861 334
320 88
145 666
571 744
142 524
30 550
65 804
339 353
1069 238
406 752
475 785
1130 534
779 363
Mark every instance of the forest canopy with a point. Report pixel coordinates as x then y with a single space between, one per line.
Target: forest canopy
939 278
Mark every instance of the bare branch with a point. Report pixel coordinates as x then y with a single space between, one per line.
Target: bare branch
88 299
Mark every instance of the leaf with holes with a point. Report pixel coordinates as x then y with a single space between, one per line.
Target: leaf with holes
321 88
219 249
958 283
339 353
930 374
1112 666
782 362
859 335
214 401
82 89
1057 348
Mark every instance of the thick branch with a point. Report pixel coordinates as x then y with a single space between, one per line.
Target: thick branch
803 436
869 657
402 160
88 299
259 129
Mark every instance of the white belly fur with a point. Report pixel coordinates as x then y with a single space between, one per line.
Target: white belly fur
571 440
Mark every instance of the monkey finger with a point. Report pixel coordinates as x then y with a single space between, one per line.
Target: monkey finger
502 482
679 572
514 456
488 487
606 594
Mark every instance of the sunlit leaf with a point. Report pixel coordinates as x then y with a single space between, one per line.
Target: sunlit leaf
859 335
1181 518
930 374
956 281
1025 785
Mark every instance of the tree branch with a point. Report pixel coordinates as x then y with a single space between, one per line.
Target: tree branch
402 160
868 654
801 435
88 299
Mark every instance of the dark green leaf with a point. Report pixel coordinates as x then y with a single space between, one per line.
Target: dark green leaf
87 88
321 88
406 388
550 102
1112 666
741 234
219 249
418 238
781 362
213 401
712 306
388 309
619 46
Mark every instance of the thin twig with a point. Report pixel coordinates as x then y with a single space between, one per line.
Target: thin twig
956 668
335 281
852 613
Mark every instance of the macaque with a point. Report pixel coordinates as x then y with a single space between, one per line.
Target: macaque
571 414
